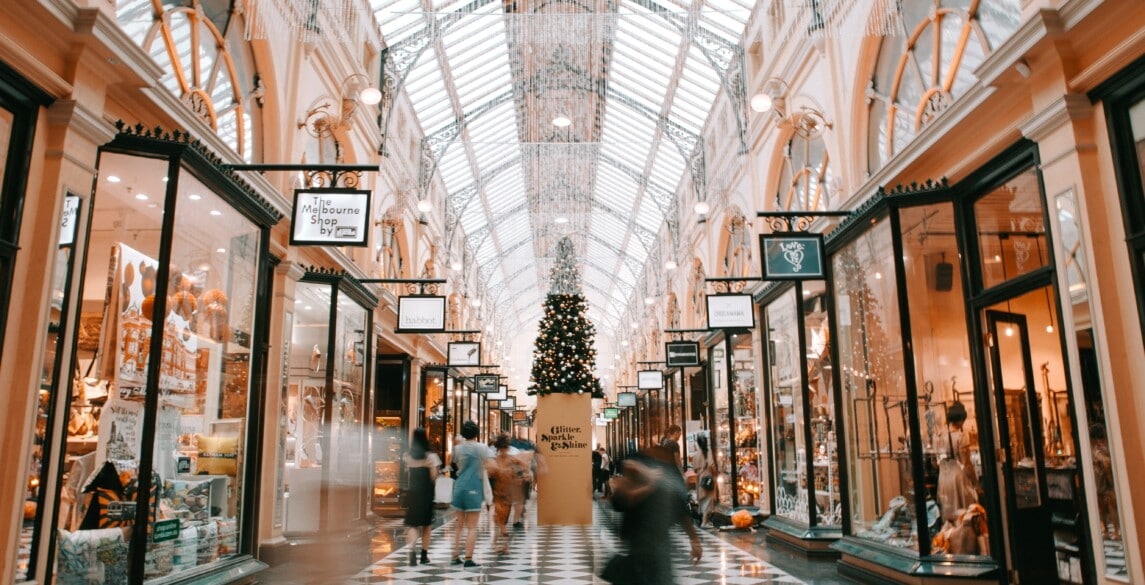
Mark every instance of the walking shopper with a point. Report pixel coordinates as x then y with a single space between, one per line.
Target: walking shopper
705 468
508 474
468 491
602 471
651 494
422 466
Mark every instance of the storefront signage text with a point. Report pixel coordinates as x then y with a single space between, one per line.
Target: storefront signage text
564 438
330 217
421 314
682 353
792 257
730 312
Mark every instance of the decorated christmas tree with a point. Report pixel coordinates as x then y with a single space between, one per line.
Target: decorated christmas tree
564 358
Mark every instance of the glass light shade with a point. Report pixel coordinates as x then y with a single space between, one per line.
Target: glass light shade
425 206
702 207
561 121
371 96
761 102
670 265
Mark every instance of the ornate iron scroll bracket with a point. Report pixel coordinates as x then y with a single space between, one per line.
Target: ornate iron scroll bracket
317 176
795 221
735 284
414 286
681 334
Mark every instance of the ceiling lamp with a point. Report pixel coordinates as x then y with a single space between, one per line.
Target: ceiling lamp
702 207
649 300
670 265
561 121
456 265
425 206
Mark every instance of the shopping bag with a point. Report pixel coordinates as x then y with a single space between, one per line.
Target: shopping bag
443 490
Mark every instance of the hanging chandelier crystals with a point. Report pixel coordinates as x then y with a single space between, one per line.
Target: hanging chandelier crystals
340 21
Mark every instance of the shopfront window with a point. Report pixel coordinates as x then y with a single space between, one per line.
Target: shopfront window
874 398
182 265
933 275
326 443
788 440
1011 230
721 423
746 416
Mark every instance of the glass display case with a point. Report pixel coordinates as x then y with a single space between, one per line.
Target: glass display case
807 510
327 404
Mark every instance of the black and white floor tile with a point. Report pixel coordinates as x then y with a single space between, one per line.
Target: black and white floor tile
562 555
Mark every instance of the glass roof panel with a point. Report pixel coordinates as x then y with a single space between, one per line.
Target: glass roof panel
465 75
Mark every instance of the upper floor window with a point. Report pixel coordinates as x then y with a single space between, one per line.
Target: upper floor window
921 71
201 69
805 180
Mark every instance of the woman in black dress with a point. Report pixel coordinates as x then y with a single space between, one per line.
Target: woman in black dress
422 465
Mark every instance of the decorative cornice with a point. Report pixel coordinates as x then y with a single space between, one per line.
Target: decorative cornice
184 138
1071 106
929 186
1043 24
80 120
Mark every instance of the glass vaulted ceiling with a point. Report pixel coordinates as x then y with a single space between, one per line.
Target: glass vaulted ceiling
637 80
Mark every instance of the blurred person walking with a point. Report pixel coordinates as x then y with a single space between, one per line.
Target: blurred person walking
705 468
468 491
422 466
508 474
650 492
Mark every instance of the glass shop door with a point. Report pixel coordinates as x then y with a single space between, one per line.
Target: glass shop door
1021 453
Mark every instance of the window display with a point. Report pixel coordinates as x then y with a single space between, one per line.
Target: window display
326 436
801 397
875 409
160 410
736 421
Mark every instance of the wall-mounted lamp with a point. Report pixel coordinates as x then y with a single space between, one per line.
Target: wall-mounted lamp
809 122
425 206
702 208
772 97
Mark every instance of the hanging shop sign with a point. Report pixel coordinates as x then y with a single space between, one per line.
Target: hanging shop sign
734 311
509 403
329 217
520 416
611 412
68 220
649 380
485 383
789 256
501 394
464 353
682 353
421 314
624 399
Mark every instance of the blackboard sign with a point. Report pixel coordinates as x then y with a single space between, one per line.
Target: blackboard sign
682 353
486 383
792 256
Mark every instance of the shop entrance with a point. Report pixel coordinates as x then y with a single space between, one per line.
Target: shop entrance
1036 458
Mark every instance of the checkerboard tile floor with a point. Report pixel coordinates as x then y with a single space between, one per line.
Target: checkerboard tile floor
561 555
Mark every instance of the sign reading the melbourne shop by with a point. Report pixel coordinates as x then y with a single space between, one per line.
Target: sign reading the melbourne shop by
421 314
730 312
329 217
792 257
682 353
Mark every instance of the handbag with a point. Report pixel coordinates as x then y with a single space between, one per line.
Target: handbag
488 487
707 482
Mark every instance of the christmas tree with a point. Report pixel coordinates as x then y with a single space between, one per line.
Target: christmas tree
564 358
